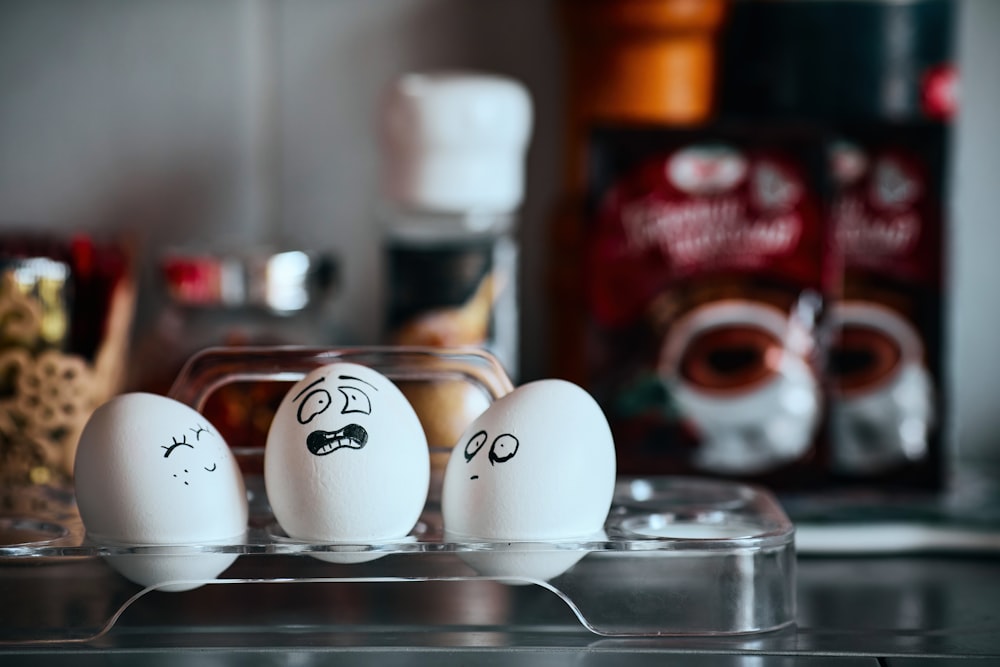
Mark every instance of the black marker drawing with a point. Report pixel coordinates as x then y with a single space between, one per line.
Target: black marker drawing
475 443
170 448
310 386
355 400
356 379
503 448
352 436
317 401
197 430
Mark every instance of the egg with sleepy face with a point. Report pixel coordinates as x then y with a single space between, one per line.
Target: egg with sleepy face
152 471
346 460
537 466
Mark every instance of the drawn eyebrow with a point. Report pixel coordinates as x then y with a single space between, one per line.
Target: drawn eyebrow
299 395
351 377
171 448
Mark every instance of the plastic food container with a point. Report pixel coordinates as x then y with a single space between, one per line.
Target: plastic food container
681 556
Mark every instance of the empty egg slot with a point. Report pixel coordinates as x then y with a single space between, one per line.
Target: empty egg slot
711 525
680 495
16 531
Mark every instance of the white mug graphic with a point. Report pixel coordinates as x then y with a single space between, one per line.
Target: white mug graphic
736 369
883 395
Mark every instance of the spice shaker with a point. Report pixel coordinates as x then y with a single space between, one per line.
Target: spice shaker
453 178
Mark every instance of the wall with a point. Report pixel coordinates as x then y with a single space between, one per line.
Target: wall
191 122
975 311
234 121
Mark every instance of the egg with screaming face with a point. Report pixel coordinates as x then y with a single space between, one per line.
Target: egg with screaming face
346 461
538 466
151 471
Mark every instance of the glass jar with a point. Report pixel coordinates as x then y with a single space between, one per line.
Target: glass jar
66 311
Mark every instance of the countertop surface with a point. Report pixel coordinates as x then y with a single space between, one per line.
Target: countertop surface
912 603
851 611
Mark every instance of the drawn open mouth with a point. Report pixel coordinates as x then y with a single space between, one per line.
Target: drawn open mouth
321 443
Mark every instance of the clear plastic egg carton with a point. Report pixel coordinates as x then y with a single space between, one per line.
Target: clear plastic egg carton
680 556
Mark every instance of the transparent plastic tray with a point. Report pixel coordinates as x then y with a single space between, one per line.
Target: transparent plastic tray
681 556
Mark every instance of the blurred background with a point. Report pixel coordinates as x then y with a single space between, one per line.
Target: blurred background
233 122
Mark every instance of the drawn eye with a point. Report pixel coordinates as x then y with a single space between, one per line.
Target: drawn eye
170 448
503 448
315 403
355 400
474 444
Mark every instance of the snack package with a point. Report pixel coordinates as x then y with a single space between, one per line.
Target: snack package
707 265
886 325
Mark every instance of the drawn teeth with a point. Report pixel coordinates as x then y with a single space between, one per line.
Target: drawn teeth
332 445
321 443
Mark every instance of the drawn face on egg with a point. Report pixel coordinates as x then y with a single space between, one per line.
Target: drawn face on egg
152 470
346 458
190 454
537 464
502 450
353 397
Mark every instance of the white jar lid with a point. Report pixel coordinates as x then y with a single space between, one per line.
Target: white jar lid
455 142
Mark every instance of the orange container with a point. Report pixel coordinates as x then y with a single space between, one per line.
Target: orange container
643 60
648 62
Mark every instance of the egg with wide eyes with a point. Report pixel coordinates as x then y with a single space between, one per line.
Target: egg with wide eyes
537 466
346 460
153 471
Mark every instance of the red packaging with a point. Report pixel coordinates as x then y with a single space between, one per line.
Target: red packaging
887 407
707 259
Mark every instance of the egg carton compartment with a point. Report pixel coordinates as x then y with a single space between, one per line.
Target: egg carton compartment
677 556
680 557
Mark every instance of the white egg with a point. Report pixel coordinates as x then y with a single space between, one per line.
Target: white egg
346 460
537 465
152 471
